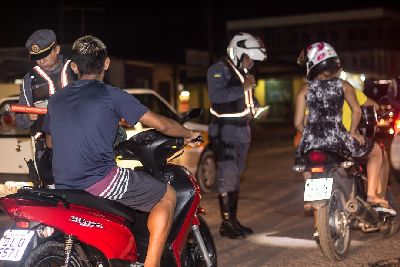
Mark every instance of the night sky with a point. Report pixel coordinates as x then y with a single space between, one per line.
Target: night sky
152 30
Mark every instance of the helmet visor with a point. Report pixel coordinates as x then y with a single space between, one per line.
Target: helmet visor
257 54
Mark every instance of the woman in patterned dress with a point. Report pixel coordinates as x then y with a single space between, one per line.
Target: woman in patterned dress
324 95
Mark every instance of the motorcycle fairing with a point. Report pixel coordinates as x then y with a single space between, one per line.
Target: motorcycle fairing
73 206
114 238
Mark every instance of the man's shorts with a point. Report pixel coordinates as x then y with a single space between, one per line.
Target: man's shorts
135 189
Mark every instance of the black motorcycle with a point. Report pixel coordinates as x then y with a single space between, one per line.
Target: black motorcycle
337 192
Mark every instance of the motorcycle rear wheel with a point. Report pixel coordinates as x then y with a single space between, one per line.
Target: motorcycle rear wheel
334 233
194 257
51 254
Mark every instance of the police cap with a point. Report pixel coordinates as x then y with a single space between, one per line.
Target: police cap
40 44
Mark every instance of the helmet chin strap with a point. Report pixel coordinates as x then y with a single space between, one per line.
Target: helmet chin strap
246 69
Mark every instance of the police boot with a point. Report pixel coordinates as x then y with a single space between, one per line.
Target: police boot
228 227
245 230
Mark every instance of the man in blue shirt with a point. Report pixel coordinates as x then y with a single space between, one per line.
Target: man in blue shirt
81 125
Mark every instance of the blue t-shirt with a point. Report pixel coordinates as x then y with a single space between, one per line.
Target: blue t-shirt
82 120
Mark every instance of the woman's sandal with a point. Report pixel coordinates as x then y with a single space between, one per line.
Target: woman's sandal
377 201
381 204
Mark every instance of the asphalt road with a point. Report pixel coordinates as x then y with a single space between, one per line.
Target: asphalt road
271 203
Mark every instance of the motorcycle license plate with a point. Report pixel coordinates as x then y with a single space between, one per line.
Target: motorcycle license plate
13 244
318 189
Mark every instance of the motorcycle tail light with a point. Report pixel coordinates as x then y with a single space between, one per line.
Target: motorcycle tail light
317 157
317 169
22 224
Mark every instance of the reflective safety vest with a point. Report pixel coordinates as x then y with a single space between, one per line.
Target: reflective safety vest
230 109
44 85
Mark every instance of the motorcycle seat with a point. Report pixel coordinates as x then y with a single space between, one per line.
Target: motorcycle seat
83 198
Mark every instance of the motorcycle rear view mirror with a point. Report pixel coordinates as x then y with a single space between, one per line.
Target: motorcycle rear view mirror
194 113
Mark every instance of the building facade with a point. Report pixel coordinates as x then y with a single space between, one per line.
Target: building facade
366 40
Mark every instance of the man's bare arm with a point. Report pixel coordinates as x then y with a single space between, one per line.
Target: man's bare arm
167 126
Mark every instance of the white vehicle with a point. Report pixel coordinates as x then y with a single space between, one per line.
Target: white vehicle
16 145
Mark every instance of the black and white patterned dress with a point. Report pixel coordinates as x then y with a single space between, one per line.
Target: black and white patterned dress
324 128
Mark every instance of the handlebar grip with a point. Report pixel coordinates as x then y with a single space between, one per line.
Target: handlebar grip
25 109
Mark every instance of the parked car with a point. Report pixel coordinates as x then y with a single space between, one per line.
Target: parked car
16 145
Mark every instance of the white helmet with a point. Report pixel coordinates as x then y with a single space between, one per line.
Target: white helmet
245 43
319 57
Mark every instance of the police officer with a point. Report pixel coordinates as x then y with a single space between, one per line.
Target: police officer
51 73
230 90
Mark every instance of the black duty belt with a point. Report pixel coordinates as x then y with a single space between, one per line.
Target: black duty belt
240 122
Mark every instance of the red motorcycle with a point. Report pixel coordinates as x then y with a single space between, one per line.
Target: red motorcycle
75 228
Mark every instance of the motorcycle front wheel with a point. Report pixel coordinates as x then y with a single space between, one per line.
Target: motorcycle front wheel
194 257
51 254
332 227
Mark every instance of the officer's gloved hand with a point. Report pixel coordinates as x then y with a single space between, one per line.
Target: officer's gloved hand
33 117
249 82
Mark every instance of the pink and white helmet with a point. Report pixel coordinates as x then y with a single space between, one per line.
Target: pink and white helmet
319 57
245 43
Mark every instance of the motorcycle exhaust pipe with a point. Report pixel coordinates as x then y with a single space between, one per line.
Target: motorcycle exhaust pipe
362 211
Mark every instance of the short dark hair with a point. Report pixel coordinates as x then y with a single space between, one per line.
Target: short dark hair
89 54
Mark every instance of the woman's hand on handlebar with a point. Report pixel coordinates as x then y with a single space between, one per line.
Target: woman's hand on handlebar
194 140
358 137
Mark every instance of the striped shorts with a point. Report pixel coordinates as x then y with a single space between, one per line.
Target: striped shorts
135 189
